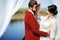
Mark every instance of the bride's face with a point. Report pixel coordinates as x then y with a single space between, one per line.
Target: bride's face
48 13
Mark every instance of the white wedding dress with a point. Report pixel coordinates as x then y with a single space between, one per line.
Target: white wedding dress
47 25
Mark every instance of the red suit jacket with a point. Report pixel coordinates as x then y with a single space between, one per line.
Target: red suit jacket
32 31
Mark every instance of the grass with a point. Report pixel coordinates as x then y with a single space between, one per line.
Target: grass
19 15
16 17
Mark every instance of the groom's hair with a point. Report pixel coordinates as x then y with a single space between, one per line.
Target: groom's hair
32 3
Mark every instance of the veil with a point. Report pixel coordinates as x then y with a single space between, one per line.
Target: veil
7 9
57 3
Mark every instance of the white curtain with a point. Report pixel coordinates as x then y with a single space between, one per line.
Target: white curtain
57 3
7 9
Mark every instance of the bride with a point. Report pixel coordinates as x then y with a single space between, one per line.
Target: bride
48 23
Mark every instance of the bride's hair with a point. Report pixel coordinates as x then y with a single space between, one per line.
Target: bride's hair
53 9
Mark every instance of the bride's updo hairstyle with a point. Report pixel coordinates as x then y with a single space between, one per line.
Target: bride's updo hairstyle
53 9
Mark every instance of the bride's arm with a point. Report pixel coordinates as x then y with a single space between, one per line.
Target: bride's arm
53 31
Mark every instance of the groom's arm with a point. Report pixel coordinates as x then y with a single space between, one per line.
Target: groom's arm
34 26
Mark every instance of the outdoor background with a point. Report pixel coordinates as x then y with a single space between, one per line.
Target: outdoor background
15 30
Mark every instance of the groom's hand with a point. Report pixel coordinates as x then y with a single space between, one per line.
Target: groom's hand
49 33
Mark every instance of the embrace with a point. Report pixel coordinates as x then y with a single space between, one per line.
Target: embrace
39 27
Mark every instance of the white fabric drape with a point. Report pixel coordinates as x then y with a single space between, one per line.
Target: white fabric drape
7 9
57 3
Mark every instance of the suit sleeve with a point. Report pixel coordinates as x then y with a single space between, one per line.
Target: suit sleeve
34 26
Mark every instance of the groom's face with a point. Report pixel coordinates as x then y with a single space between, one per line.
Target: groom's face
34 8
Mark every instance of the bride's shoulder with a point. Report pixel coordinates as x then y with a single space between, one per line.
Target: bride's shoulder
54 20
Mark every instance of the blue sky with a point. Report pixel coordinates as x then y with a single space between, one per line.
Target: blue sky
44 3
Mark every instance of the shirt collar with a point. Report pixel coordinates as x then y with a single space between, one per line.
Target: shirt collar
30 11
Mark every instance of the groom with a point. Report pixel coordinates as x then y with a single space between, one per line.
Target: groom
32 31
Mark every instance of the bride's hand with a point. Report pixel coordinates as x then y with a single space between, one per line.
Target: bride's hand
52 39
